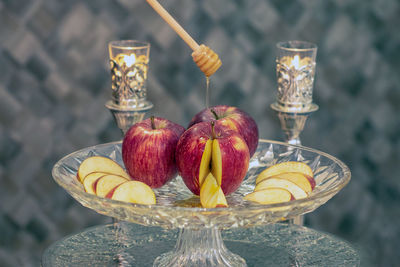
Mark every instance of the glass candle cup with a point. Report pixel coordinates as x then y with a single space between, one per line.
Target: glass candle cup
295 71
129 63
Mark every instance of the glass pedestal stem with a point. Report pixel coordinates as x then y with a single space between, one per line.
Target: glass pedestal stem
202 248
292 124
126 116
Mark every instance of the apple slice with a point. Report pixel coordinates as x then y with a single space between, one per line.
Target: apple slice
89 183
221 199
211 194
107 183
134 192
289 166
204 168
208 192
294 189
100 164
301 180
216 161
270 196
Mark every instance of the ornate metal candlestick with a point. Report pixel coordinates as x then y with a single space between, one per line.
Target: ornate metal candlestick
292 122
295 71
129 62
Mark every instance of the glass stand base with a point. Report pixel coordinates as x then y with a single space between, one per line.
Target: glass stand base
126 244
199 248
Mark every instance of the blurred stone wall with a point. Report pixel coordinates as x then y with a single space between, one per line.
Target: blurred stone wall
54 81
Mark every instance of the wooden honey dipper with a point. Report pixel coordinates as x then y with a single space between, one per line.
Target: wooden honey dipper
205 58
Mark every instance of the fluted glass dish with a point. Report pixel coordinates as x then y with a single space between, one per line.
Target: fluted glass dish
199 242
177 207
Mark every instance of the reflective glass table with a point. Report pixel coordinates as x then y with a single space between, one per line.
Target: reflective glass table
128 244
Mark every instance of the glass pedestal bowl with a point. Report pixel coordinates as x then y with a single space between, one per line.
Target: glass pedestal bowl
199 242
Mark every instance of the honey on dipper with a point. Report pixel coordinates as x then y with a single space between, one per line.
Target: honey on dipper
206 59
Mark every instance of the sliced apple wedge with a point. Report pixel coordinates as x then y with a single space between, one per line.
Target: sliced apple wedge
89 183
204 168
211 194
216 161
289 166
107 183
100 164
301 180
134 192
270 196
221 199
208 192
294 189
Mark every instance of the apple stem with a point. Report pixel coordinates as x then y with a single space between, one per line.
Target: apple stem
214 113
153 125
212 130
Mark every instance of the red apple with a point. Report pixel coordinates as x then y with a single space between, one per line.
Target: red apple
148 151
231 118
208 147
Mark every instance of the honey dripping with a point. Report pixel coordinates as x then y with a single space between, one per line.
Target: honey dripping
207 91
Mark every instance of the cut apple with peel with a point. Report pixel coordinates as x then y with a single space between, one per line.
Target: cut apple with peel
301 180
231 119
205 148
134 192
107 183
89 183
289 166
270 196
295 190
211 194
100 164
229 162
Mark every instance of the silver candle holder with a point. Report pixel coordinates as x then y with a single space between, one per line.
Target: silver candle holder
295 71
129 63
